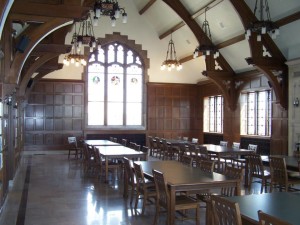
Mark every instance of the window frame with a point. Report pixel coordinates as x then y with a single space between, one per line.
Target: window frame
125 66
207 114
245 125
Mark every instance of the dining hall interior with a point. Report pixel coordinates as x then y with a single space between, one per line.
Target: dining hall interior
106 106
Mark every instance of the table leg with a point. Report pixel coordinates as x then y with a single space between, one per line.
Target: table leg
171 219
246 173
106 169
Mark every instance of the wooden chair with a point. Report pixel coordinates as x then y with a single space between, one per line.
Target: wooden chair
205 165
257 170
195 140
144 188
225 211
124 142
266 219
186 160
203 153
131 145
185 138
279 175
224 143
137 147
73 148
166 150
130 181
236 145
182 202
89 163
234 173
159 147
146 150
241 162
182 148
152 146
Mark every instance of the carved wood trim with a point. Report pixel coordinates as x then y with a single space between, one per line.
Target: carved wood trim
35 37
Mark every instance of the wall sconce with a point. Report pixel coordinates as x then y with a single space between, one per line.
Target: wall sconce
8 100
296 102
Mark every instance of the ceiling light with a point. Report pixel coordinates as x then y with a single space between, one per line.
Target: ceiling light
84 36
263 25
206 47
171 61
109 8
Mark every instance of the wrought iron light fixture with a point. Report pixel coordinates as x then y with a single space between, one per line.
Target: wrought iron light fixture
84 36
171 61
263 25
206 48
109 8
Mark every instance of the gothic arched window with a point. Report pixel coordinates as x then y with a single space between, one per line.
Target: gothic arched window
115 82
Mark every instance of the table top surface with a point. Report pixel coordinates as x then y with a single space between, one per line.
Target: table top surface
100 142
284 205
223 149
177 173
117 150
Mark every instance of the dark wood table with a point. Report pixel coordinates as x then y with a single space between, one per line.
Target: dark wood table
100 143
183 178
221 151
284 205
117 152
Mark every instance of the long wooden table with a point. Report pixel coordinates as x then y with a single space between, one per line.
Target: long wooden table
182 178
223 151
101 143
284 205
117 152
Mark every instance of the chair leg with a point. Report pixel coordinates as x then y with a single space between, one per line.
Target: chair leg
156 213
131 195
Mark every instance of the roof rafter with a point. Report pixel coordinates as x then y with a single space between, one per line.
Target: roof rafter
147 6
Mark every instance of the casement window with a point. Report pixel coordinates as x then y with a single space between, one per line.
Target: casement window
213 114
256 113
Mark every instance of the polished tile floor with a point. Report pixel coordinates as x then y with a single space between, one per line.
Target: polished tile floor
49 189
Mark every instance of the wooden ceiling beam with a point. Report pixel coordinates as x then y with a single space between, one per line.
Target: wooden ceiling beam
24 18
172 30
48 10
281 22
53 48
147 6
198 13
288 19
210 5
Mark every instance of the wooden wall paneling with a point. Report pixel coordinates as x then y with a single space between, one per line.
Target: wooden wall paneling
49 124
54 112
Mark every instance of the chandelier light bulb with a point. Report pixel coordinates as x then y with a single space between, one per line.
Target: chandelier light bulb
124 15
98 13
162 67
95 21
169 68
258 37
113 22
263 30
72 60
117 13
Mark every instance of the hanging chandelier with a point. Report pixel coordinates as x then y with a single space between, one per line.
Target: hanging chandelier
171 61
109 8
206 48
263 25
83 37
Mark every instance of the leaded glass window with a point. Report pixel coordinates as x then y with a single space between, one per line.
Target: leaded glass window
213 114
256 113
115 87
